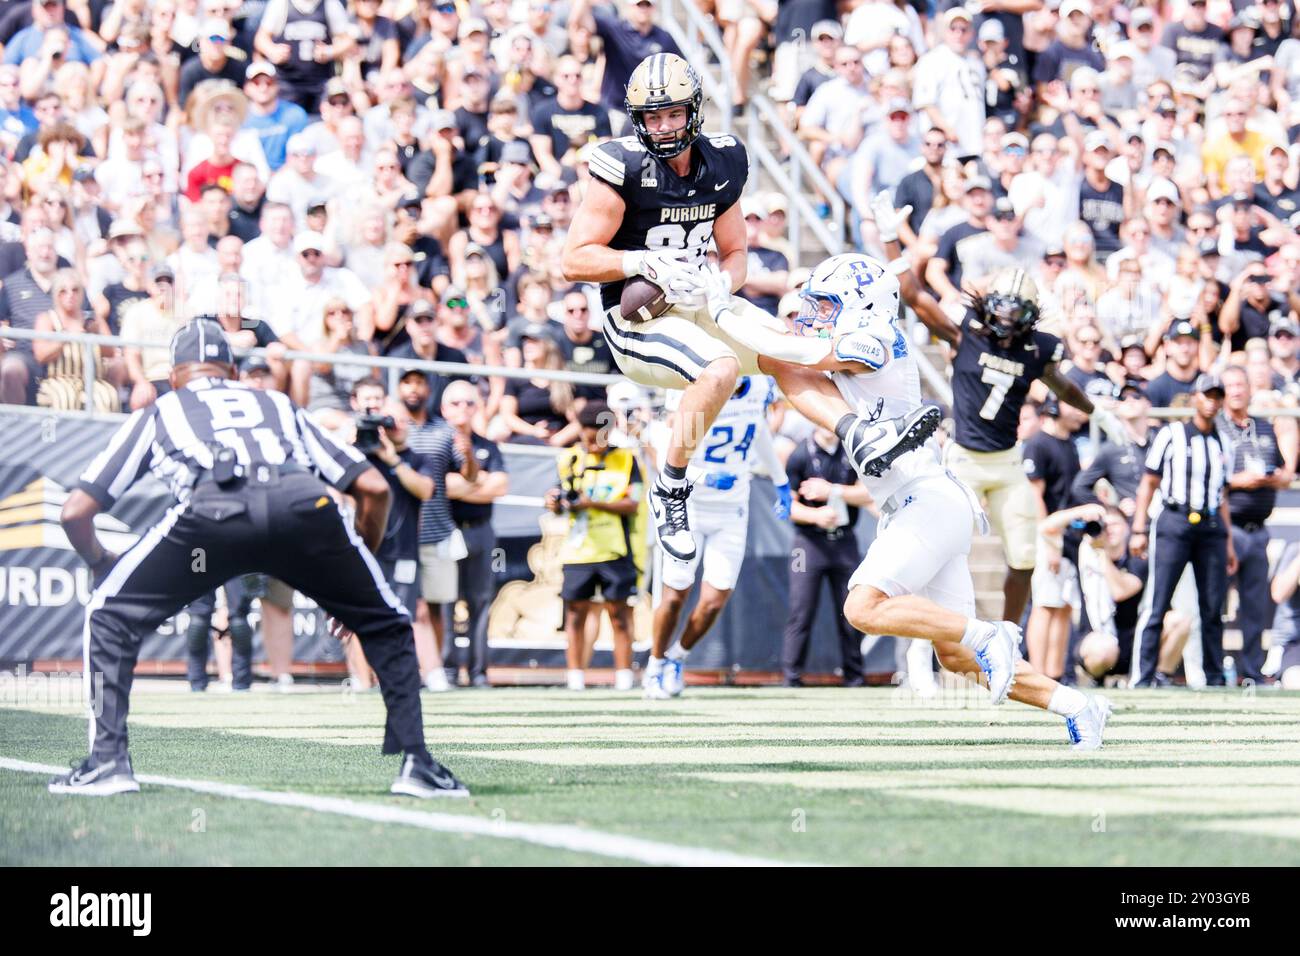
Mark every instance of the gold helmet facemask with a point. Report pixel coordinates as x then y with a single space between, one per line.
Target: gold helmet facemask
663 81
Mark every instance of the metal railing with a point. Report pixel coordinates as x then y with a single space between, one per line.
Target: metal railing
684 21
395 366
698 37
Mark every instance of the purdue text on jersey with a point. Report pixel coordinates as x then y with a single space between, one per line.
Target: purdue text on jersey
664 210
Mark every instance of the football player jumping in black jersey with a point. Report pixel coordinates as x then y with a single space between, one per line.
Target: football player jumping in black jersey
655 203
993 369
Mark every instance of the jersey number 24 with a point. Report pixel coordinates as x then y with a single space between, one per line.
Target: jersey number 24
726 435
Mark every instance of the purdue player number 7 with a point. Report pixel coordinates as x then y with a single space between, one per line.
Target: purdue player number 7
655 202
998 354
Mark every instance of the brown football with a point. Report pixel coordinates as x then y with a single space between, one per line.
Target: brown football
642 300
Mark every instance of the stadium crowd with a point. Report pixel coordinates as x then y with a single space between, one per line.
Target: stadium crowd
396 177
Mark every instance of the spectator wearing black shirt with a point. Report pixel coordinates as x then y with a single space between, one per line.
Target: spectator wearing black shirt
1251 308
117 297
1195 41
917 188
1084 368
826 36
1072 47
1173 387
446 171
583 348
472 114
1101 201
534 411
213 62
567 123
471 509
627 43
1272 194
1007 82
247 194
1272 29
1257 474
768 276
1051 463
944 271
431 268
423 344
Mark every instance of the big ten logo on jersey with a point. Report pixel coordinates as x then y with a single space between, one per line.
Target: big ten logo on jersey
649 172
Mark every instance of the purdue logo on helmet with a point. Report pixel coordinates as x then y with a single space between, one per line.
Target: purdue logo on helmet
662 81
1009 309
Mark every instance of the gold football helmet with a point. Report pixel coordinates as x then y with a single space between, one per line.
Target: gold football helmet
1009 309
662 81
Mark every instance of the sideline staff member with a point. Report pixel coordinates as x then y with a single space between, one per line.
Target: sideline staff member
1188 462
243 465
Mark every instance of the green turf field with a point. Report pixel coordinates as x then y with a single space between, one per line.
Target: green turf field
810 776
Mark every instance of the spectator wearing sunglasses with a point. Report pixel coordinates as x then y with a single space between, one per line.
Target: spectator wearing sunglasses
423 344
214 60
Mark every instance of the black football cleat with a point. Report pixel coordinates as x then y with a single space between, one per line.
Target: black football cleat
427 780
873 446
672 525
97 780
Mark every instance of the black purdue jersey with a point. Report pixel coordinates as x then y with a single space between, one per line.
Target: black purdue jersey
665 210
990 382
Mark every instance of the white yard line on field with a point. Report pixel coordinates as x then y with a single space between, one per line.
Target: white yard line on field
555 835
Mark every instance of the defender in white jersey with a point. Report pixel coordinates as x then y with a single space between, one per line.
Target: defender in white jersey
719 518
914 581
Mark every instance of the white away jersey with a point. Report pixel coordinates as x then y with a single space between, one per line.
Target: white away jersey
726 454
889 385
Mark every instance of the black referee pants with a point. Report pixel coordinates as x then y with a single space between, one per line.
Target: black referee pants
291 529
1255 607
1176 542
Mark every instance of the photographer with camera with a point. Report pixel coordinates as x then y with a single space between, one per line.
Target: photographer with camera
600 490
383 429
1111 581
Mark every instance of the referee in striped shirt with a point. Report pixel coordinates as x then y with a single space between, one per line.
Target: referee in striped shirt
249 472
1190 463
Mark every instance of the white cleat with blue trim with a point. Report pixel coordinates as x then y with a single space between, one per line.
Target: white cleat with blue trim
997 659
671 678
1088 725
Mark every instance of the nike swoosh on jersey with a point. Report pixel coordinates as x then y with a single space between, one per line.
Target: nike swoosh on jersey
721 185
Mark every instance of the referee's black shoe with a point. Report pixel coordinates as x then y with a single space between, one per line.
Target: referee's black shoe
873 446
427 780
97 780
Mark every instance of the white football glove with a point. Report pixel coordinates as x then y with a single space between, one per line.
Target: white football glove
887 217
1110 425
717 291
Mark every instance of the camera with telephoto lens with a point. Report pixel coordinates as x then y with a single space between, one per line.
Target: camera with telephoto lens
368 424
1092 529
